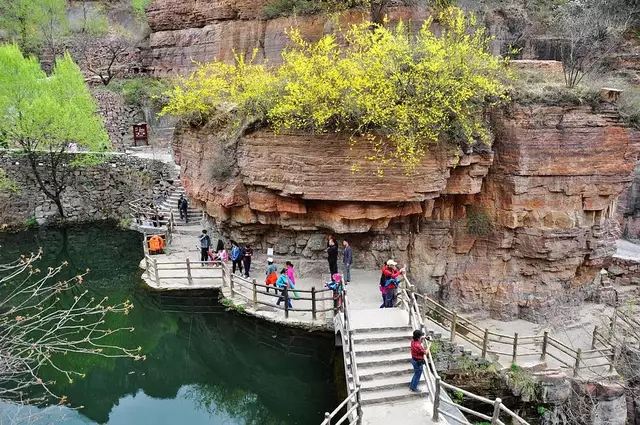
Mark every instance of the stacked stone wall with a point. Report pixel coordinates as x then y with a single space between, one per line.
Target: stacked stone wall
98 192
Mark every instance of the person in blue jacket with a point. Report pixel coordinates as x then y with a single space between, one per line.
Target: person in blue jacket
282 283
236 256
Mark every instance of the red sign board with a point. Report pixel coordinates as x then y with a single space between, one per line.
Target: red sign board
140 133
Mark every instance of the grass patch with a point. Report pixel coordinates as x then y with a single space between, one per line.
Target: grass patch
478 222
549 88
521 382
230 305
31 223
139 7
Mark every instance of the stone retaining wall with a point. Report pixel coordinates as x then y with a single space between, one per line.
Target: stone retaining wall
94 193
118 117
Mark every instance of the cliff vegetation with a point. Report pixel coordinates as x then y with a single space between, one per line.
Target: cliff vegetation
402 93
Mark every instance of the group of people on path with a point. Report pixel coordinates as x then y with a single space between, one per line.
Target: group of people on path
282 282
240 256
332 257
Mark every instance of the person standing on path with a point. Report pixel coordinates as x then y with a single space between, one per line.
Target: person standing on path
180 206
246 259
347 260
236 256
205 244
184 207
283 284
271 274
332 256
417 358
291 274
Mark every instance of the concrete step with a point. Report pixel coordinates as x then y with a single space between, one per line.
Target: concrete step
369 372
383 336
383 347
389 395
382 359
401 381
406 330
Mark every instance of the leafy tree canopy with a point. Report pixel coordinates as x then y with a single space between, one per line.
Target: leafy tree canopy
40 112
31 23
43 115
400 91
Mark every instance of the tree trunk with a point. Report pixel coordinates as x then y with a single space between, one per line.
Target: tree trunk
58 203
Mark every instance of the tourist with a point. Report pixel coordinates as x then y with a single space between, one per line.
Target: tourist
337 286
332 256
236 256
347 260
271 274
205 244
219 246
283 283
180 206
246 259
292 277
156 245
417 358
184 207
389 280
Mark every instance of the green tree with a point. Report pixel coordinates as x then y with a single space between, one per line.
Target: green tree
43 116
34 24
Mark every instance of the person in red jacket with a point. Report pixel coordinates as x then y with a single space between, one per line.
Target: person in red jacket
417 358
389 280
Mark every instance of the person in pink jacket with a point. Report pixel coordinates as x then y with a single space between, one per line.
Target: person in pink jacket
292 277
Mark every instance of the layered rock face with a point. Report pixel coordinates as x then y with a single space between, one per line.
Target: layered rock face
546 193
184 33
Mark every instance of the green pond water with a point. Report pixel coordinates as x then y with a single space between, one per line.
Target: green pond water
204 365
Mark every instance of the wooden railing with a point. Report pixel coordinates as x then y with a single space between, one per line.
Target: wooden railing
513 346
156 216
436 395
352 403
623 329
187 274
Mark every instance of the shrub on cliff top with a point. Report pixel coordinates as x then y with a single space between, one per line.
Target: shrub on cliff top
400 92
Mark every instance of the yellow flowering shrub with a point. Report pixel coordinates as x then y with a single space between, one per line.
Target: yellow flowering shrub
400 91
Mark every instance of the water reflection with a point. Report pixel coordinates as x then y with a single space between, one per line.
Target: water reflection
204 365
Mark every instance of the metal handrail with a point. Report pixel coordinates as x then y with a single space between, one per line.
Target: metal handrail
342 323
480 338
436 385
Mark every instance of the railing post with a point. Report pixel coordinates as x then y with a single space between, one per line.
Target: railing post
189 278
614 356
614 319
157 274
594 337
286 302
255 294
576 367
485 342
231 276
359 405
495 419
436 401
146 262
515 348
452 337
313 302
327 416
545 338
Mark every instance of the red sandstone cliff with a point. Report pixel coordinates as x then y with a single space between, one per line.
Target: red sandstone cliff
549 188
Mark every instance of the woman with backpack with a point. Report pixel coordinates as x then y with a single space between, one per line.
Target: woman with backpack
271 274
389 280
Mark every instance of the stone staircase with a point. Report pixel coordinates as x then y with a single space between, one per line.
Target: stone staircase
383 358
171 204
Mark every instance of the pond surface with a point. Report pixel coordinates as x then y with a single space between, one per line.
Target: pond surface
204 365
